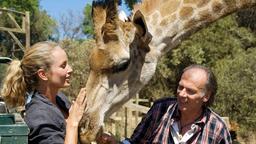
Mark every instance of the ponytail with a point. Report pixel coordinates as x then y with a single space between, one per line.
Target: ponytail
21 76
14 85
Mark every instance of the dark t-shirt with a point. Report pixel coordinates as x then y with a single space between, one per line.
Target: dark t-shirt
46 122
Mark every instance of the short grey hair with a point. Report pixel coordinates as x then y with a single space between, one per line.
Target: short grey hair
211 85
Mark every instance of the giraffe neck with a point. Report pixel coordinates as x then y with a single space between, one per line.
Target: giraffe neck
171 21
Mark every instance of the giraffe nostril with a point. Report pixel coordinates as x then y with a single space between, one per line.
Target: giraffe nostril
121 65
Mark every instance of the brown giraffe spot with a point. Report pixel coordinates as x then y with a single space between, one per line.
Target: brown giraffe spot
230 3
158 31
190 23
199 3
155 18
168 19
202 3
186 12
217 7
204 15
148 6
169 7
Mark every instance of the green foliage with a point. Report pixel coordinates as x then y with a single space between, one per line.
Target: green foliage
87 23
237 94
221 40
41 25
20 5
157 87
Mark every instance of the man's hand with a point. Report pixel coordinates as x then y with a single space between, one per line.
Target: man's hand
105 138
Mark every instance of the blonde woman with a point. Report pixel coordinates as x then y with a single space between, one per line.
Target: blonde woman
34 81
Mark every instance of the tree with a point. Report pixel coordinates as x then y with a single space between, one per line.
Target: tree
42 26
18 5
87 23
237 94
71 25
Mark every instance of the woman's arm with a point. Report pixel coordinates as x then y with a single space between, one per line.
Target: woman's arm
75 115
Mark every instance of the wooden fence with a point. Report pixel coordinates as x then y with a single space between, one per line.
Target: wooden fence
22 27
123 122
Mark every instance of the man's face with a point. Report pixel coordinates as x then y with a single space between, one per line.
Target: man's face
191 93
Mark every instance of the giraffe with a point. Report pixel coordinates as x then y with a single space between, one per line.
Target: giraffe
127 52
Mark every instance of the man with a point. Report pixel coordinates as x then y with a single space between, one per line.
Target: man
186 119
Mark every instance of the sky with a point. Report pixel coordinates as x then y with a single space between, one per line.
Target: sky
55 8
58 8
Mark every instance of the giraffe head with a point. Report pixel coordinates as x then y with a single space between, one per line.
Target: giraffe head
114 37
113 64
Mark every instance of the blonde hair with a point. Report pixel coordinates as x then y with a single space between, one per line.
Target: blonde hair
21 75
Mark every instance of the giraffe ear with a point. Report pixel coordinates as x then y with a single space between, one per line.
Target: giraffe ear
142 29
139 22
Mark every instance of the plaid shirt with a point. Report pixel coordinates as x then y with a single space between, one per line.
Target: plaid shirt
156 126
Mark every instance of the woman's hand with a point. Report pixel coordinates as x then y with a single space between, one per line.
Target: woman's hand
77 108
76 112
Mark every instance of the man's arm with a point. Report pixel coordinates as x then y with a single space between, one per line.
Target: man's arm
146 127
138 134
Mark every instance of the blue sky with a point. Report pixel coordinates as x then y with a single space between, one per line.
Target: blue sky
55 8
58 8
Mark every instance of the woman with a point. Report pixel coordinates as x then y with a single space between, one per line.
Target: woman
35 81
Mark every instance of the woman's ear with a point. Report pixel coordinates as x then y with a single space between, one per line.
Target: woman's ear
42 74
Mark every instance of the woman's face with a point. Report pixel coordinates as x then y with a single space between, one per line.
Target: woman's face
60 72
